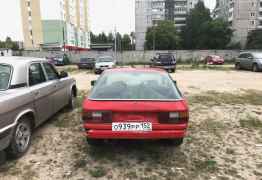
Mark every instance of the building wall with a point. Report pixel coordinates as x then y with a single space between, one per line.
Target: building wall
31 23
244 15
142 9
70 16
53 31
149 12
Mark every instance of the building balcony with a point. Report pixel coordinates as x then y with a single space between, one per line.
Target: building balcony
231 10
230 18
180 18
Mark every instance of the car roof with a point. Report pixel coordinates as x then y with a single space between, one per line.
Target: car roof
14 60
129 69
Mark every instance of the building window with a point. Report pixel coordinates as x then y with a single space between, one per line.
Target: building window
28 3
30 13
260 4
252 23
260 23
252 14
260 13
31 32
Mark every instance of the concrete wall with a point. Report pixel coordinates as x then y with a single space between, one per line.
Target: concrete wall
141 56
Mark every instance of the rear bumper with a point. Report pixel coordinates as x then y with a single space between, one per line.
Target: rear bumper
157 134
167 67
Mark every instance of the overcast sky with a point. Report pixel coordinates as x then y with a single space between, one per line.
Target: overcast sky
104 15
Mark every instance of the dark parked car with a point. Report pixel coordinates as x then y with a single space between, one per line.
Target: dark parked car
58 60
250 61
165 61
86 63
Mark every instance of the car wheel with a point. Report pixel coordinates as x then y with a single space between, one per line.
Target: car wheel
72 101
21 139
94 142
237 66
255 68
173 142
2 157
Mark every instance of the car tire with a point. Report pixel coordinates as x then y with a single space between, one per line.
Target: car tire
255 68
21 139
173 142
72 101
94 142
237 66
2 157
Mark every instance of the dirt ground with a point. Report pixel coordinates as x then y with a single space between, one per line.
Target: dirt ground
223 142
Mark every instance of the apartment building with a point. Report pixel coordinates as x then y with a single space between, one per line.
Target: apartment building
150 12
243 15
55 24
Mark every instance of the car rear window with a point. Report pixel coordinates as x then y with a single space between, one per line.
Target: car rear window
5 75
105 59
85 60
135 86
165 58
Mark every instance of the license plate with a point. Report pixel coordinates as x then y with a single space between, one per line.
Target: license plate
142 126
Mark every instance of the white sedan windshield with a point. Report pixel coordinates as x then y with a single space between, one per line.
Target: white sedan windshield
5 73
135 86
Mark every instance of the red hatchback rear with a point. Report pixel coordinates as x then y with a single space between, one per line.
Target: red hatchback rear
135 104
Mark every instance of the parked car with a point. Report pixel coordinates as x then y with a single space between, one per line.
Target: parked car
165 61
61 60
50 59
214 60
86 63
103 63
127 103
250 61
31 91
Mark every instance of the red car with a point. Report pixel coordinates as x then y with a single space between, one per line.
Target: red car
129 103
214 60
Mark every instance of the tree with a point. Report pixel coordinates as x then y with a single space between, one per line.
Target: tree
110 38
216 34
162 37
194 31
254 39
126 43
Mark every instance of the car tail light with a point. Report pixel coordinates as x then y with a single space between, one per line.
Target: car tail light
97 117
173 117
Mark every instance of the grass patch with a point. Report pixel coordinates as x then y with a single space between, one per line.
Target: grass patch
213 98
213 127
250 122
207 165
98 172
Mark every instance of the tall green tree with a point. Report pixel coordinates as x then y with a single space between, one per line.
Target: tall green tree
254 39
162 37
196 23
126 43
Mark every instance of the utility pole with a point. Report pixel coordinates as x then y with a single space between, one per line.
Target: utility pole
115 43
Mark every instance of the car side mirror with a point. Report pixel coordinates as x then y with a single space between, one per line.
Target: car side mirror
174 81
93 83
63 74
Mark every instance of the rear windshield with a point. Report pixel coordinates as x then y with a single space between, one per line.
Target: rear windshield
135 86
105 59
165 58
86 60
5 74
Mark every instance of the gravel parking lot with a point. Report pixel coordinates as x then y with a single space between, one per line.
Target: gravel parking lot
224 138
